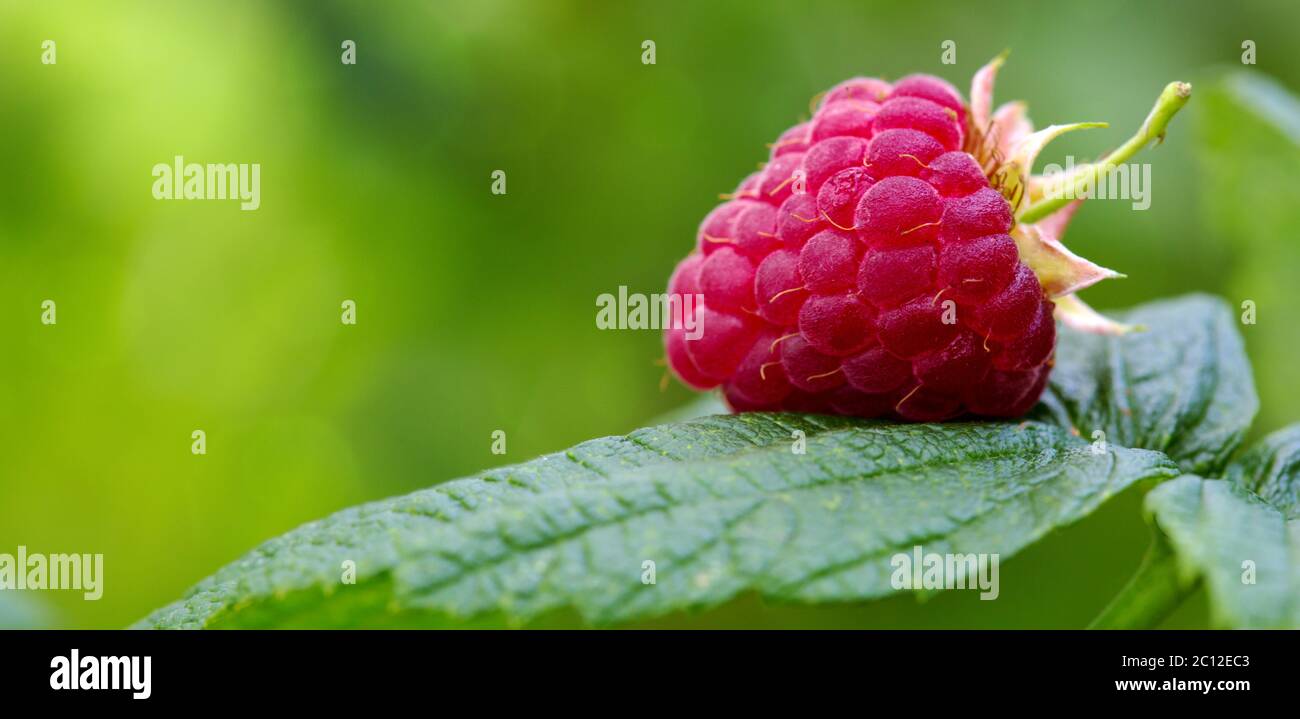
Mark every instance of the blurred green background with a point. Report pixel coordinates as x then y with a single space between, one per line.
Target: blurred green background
476 312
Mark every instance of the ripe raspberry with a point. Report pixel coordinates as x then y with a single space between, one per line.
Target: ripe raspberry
871 269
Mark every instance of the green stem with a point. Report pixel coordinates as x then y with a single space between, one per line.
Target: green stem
1171 100
1154 591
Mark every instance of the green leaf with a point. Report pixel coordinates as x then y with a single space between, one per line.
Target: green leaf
1183 387
1241 534
1267 99
722 505
1271 470
1249 208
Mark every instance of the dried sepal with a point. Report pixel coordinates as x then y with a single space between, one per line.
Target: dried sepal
1059 271
1076 314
